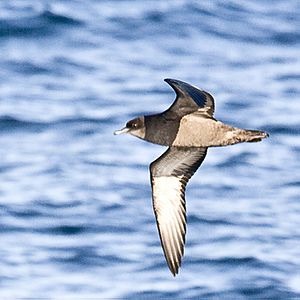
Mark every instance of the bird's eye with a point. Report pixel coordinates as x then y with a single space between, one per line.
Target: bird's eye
132 124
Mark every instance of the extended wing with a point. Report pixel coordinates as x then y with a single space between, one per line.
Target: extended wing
189 99
169 176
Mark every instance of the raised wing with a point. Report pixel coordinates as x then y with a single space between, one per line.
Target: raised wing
190 99
169 176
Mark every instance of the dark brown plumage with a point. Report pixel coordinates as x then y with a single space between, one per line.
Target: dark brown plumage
188 128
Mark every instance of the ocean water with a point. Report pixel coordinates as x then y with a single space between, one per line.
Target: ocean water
76 217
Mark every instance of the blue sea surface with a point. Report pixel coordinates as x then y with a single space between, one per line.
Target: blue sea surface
76 215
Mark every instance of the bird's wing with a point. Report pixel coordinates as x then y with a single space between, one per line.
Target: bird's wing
169 176
190 99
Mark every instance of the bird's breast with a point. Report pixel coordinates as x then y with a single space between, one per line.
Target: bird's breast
160 130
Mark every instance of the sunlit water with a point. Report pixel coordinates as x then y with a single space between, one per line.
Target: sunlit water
76 216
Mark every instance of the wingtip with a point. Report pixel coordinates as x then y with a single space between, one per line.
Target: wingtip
176 84
174 268
174 272
173 81
168 80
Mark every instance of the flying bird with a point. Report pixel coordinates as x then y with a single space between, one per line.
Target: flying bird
188 128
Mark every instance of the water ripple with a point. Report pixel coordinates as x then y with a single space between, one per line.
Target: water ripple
76 212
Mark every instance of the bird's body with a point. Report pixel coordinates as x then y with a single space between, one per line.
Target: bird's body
201 130
188 128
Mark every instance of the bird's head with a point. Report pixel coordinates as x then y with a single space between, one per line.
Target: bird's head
134 127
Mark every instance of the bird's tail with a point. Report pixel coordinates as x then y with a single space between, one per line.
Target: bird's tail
251 136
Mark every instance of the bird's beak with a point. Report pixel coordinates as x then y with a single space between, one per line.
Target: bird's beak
121 131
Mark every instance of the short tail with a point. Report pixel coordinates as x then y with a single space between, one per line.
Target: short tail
254 135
